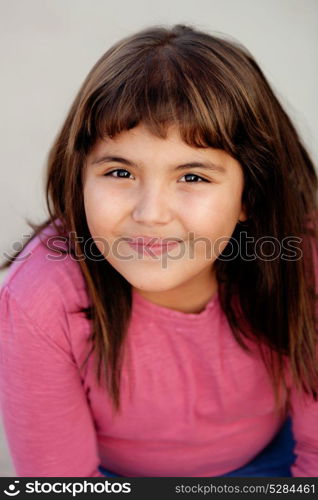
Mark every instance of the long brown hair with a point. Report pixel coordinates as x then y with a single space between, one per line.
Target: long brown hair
215 92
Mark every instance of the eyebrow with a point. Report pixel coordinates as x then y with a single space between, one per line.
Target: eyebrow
208 165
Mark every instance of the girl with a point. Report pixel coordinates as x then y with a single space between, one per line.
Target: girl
162 320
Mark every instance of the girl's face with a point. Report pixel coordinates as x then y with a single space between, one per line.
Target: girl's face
135 187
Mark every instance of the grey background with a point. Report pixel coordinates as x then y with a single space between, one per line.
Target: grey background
48 46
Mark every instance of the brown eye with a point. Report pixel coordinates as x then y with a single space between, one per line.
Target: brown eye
118 170
196 176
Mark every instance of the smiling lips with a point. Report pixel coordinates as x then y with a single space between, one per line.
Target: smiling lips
146 241
156 245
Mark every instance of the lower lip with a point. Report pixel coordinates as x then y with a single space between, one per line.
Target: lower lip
154 249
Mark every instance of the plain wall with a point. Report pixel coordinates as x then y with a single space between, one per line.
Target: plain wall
48 46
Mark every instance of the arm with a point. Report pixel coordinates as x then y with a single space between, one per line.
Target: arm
46 416
304 412
305 426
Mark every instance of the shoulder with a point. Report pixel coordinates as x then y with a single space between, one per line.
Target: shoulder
44 282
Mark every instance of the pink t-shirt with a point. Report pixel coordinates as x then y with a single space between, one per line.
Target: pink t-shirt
193 402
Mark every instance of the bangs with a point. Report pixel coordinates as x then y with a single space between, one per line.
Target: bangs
163 87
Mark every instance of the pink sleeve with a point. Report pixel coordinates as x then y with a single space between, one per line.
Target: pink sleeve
305 428
305 419
46 416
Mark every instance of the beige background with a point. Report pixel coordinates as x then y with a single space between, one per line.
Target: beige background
48 46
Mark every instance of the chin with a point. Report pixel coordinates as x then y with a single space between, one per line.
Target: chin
152 289
152 282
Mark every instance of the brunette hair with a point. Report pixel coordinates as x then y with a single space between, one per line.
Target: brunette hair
215 92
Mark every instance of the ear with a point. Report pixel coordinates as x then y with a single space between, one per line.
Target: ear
243 214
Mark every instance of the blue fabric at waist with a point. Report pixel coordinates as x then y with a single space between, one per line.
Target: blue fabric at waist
273 461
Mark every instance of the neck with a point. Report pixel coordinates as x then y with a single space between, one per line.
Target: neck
190 297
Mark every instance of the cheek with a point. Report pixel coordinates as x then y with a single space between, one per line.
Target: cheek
213 215
102 207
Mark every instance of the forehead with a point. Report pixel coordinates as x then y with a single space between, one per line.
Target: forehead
140 144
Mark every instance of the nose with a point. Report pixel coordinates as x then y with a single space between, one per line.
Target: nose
152 206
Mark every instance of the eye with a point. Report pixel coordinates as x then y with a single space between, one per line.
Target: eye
117 170
109 174
197 176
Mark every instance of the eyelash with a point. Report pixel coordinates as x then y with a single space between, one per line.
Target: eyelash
124 170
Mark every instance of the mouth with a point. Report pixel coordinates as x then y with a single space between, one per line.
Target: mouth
152 242
155 249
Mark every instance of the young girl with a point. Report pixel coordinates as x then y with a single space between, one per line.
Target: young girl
162 320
